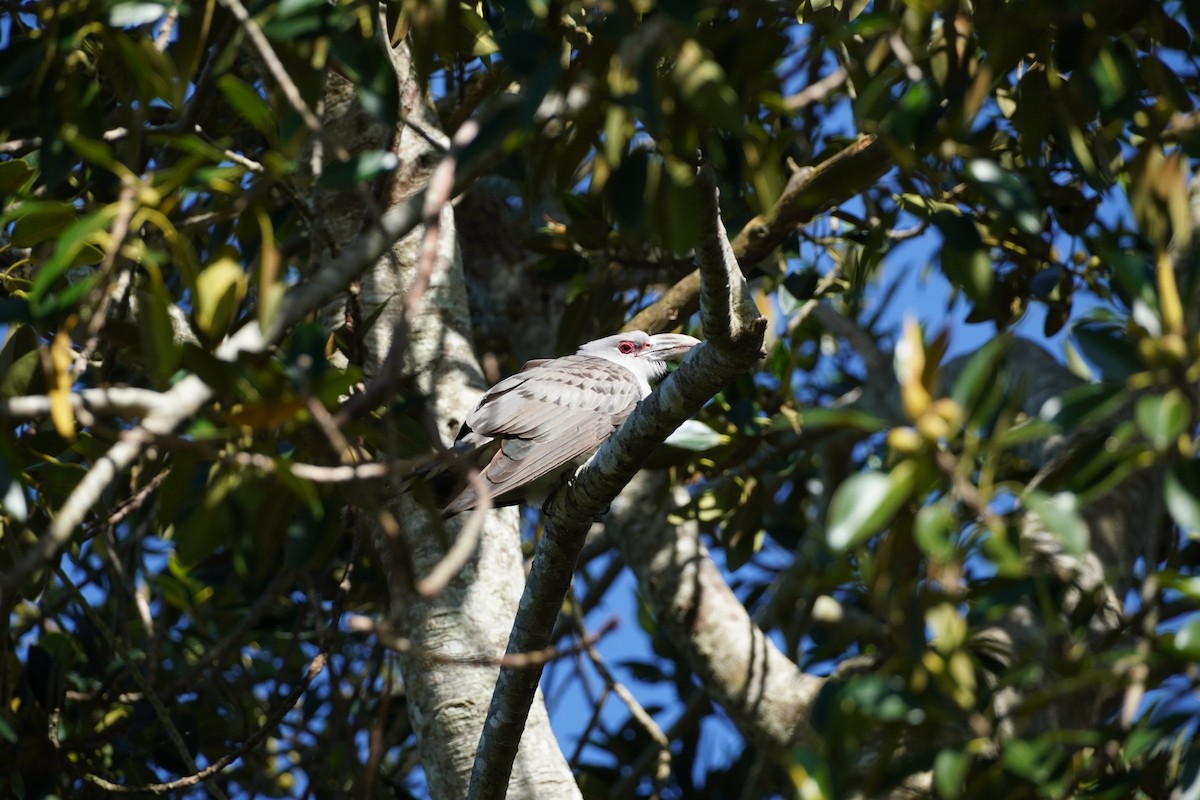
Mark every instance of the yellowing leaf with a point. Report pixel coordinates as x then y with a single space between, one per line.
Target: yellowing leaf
267 414
220 287
1168 295
910 368
61 413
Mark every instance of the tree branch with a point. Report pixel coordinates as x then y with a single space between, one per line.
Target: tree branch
188 396
809 192
763 691
729 352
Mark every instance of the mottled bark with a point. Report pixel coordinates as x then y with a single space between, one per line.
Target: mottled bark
763 691
470 617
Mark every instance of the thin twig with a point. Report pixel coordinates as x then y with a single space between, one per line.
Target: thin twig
816 92
314 669
165 27
698 702
643 718
160 711
340 473
127 506
190 394
278 71
120 231
439 192
464 544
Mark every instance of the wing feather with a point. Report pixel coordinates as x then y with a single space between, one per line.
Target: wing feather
547 416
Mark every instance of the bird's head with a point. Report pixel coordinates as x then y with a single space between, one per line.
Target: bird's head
639 351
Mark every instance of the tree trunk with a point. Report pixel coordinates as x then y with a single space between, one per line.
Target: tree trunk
446 688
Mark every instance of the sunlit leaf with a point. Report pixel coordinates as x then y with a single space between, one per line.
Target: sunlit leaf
219 289
866 502
12 493
695 436
132 14
1187 638
1182 495
1008 193
61 360
1061 518
1162 417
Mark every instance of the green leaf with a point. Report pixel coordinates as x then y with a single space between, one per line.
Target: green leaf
359 168
1059 515
702 86
249 104
14 175
295 18
67 250
6 732
1009 193
678 209
935 530
866 502
1187 638
949 769
695 436
212 523
1162 418
1114 77
1086 404
479 32
373 75
842 418
801 284
41 221
1182 494
626 190
964 258
18 372
1032 759
1046 280
1106 345
156 333
979 372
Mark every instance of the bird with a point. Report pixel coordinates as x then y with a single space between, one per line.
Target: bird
537 426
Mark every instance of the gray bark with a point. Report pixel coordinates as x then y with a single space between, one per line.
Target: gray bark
469 618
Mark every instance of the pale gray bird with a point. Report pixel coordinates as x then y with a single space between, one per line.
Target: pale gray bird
552 415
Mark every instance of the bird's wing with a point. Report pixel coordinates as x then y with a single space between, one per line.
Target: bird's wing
530 404
546 418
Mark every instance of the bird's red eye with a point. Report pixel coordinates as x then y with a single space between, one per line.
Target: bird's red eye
626 347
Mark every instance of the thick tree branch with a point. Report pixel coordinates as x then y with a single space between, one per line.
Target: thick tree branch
763 691
729 352
809 192
115 400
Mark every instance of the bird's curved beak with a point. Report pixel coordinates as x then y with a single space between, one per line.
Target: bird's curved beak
670 346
